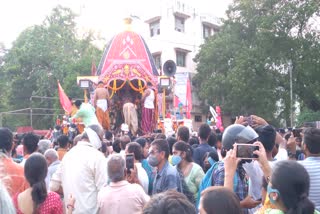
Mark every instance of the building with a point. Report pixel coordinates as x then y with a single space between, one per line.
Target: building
175 32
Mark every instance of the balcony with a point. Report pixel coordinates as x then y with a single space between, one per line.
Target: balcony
182 10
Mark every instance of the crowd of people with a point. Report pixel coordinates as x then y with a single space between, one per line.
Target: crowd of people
185 173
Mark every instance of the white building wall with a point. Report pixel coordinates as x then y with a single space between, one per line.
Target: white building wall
169 39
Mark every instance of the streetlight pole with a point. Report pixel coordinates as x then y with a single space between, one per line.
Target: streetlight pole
31 111
291 94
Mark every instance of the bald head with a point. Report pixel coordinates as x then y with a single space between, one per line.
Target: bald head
77 139
124 140
97 128
116 168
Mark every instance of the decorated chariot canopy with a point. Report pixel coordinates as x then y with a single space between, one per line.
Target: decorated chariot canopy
127 59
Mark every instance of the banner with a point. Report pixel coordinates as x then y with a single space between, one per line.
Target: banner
180 88
219 119
183 95
188 99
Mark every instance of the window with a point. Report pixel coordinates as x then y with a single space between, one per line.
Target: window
157 60
181 58
154 28
179 24
207 31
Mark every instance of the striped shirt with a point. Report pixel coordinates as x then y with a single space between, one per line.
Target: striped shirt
312 165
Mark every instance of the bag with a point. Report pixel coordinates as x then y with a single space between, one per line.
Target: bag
206 181
184 188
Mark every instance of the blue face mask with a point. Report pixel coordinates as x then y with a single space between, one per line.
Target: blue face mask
176 159
211 161
271 190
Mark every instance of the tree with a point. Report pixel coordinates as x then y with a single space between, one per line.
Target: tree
244 67
40 56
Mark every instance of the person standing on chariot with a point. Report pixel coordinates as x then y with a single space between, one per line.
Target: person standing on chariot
147 101
129 110
101 101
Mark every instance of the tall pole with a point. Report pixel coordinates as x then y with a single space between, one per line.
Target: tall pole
31 111
291 95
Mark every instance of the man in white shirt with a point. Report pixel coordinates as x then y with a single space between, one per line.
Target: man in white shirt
147 100
83 172
121 196
311 145
53 161
135 149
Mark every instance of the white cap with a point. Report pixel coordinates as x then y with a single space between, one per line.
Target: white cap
124 127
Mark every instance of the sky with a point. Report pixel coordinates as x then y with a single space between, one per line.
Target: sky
104 17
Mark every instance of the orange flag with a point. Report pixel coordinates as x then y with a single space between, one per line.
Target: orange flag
64 99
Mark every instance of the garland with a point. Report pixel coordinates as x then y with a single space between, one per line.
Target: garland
114 87
140 89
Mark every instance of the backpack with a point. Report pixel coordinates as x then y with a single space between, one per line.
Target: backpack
207 181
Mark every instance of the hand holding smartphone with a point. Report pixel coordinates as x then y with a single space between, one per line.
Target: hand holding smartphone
245 151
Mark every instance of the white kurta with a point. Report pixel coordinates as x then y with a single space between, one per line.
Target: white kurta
82 173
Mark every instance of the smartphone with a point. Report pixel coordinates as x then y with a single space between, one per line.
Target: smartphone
129 162
245 151
297 132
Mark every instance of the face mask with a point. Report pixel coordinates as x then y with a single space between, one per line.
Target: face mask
153 161
176 159
270 190
211 161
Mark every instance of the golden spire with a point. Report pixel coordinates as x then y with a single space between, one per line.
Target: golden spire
127 23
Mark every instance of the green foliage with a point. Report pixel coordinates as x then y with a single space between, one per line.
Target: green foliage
244 67
42 55
307 116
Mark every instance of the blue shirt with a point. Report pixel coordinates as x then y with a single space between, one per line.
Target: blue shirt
240 184
167 178
200 151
